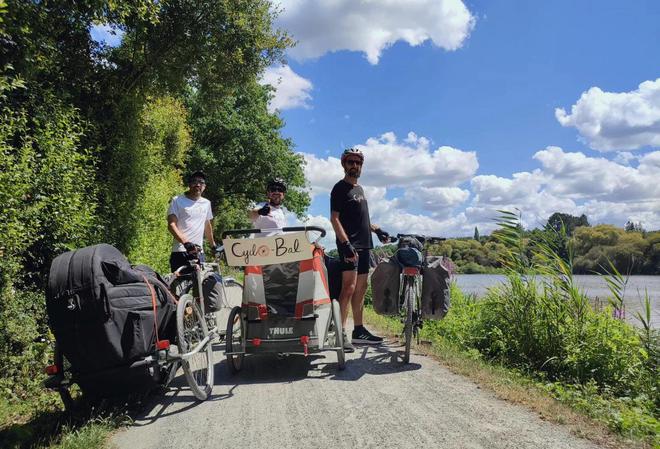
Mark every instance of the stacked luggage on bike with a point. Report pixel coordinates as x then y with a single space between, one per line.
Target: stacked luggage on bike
107 315
386 278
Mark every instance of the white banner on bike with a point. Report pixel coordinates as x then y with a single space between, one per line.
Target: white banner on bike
281 248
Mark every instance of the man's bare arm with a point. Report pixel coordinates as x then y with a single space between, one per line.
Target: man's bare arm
174 229
208 232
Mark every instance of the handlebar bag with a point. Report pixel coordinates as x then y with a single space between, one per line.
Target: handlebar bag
435 289
409 257
385 287
410 242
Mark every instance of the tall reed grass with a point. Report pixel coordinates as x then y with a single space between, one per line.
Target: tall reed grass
540 322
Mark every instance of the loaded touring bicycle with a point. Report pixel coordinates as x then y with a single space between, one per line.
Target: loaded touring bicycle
116 325
286 304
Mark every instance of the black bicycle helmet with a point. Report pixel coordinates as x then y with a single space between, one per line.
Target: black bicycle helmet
352 152
276 182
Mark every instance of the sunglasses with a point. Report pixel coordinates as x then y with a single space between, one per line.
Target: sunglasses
354 162
197 181
276 189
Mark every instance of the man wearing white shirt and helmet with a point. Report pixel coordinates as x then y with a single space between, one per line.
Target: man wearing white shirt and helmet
270 214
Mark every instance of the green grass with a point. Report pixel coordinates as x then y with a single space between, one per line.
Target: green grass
610 422
40 422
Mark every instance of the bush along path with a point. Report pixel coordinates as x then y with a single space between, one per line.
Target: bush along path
545 330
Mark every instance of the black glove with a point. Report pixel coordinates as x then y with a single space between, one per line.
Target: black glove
264 210
383 236
347 250
190 247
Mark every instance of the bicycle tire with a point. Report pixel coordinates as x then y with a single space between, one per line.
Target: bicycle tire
191 329
408 325
339 334
235 340
63 388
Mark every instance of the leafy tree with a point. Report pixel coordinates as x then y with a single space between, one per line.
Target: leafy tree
144 176
476 233
237 142
558 220
631 226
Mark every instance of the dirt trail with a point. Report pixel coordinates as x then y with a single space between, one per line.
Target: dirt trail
297 402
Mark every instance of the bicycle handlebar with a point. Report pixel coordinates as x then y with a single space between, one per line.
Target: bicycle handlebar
287 229
422 238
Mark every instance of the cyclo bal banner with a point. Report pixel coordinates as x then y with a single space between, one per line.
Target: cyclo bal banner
268 250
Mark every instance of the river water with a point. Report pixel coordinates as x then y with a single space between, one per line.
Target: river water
595 287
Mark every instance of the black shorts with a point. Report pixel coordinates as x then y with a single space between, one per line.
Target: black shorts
362 264
179 259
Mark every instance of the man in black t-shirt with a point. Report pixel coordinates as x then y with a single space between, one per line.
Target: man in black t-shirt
349 215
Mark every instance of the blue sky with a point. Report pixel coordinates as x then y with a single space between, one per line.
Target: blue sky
466 107
494 95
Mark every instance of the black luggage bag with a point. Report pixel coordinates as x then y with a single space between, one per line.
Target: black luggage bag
105 315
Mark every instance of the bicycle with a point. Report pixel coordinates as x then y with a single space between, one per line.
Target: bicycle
181 283
195 321
410 290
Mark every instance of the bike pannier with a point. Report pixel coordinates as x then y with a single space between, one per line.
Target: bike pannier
101 311
333 268
435 289
213 293
385 287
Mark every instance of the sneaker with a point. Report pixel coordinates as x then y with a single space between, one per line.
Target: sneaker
363 336
348 347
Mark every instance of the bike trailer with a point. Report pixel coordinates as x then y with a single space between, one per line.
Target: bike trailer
283 301
105 315
435 289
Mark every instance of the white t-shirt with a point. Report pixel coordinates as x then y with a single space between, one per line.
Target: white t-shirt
275 219
191 216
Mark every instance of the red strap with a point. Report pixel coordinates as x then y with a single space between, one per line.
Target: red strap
153 303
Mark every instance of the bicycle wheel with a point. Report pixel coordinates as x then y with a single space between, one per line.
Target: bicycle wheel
408 324
338 338
63 387
191 330
235 340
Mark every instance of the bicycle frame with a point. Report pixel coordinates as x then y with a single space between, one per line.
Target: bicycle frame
410 295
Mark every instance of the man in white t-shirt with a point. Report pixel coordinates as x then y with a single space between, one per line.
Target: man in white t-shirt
189 220
270 214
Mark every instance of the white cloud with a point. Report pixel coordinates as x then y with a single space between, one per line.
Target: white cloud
610 121
604 190
413 188
322 174
372 26
389 162
291 89
575 175
317 220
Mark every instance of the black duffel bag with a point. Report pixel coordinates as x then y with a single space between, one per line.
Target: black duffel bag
105 314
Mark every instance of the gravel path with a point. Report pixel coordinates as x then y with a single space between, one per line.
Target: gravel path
297 402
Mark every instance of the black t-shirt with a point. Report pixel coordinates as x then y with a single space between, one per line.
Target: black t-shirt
351 204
